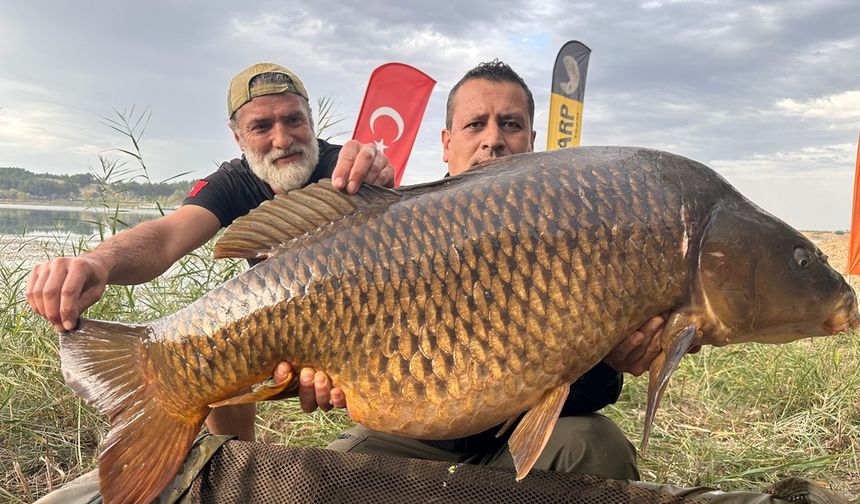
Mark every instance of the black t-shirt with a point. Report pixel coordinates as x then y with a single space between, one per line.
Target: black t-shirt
234 190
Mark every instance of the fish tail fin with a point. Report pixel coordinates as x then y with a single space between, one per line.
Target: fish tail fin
103 363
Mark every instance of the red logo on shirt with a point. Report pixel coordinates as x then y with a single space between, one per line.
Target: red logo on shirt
196 189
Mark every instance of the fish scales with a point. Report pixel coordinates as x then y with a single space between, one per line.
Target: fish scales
507 312
447 308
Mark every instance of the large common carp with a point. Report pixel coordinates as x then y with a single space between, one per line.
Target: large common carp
444 309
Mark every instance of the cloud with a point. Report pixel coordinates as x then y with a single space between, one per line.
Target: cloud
845 105
758 88
815 162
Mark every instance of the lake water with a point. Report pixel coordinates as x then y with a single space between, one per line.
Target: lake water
61 221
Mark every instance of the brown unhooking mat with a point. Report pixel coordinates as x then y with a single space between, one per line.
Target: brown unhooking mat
259 473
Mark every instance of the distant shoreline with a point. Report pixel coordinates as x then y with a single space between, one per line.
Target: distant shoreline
79 206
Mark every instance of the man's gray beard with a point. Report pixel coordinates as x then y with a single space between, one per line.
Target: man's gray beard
286 177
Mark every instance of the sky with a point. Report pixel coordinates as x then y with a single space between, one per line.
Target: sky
767 93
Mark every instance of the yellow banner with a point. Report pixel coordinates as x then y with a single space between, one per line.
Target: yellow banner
567 95
565 122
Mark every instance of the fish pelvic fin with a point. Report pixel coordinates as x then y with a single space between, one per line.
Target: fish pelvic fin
680 336
263 392
533 432
103 362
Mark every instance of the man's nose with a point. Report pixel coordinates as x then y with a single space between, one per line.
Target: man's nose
493 138
281 138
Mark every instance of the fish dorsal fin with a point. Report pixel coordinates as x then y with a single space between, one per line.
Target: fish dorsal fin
531 435
296 213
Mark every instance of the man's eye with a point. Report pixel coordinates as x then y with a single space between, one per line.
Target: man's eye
260 127
511 125
474 125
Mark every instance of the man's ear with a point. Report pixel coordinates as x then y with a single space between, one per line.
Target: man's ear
446 137
238 139
532 142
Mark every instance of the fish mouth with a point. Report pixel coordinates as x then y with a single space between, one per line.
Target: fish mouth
844 319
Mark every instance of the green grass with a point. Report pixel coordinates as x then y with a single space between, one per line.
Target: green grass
745 416
47 435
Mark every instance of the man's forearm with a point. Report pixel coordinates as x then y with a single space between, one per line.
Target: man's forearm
133 256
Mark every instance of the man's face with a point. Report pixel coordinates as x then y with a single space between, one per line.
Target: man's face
275 133
489 120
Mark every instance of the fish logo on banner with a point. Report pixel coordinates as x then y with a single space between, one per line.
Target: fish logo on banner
391 112
568 94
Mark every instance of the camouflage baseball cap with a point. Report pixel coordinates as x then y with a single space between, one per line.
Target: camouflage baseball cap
240 91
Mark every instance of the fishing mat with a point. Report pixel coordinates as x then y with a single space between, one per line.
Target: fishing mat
245 473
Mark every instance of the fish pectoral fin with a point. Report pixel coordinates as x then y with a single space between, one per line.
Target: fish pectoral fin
262 392
531 435
675 346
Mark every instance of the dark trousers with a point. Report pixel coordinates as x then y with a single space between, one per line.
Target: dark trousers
590 444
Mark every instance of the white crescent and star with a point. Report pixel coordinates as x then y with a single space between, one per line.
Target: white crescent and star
395 116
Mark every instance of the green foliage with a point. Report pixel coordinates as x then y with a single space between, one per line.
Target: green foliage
746 416
47 435
20 184
40 186
327 119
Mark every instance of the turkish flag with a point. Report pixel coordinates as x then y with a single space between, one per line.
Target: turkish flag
391 112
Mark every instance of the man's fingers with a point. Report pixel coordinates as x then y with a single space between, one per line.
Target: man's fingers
345 160
381 172
621 352
386 177
653 326
74 297
338 398
322 389
307 396
282 371
363 162
34 289
634 354
644 362
354 162
357 163
51 291
314 390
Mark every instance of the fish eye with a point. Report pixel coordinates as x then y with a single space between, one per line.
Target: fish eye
802 257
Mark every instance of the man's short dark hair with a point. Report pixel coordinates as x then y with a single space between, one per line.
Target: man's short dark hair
494 71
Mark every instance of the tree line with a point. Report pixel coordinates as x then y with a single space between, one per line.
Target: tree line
18 184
